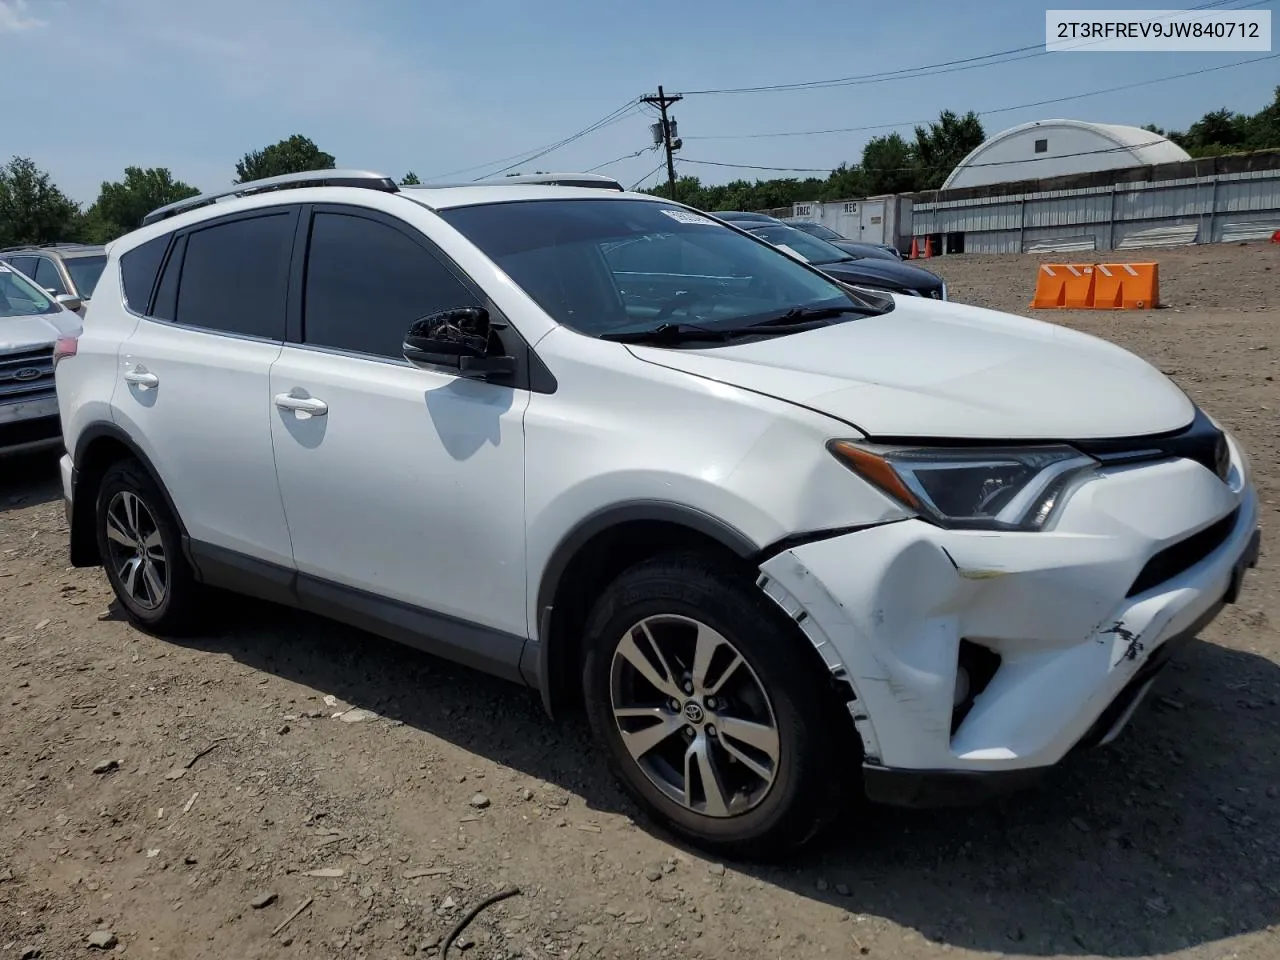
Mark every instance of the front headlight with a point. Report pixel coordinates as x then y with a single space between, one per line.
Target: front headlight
1017 488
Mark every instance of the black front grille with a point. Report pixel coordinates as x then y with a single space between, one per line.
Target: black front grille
1183 555
26 374
1201 441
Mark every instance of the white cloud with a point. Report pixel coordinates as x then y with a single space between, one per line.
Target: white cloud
15 17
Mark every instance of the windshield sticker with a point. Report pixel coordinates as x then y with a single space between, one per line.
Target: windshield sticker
688 216
795 253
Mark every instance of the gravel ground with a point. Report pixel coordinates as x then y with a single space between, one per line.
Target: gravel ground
184 800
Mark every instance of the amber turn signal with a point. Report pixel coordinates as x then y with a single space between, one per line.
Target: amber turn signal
874 468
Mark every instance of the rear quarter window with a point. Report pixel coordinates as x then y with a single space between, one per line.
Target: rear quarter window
138 270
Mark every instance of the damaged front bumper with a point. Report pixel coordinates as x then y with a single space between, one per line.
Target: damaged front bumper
977 660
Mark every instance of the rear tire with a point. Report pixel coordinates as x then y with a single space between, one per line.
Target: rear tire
729 735
140 544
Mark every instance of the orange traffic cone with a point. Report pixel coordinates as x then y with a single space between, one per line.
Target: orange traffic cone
915 249
928 247
1275 237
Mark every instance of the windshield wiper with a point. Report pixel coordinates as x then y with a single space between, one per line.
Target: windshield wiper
800 315
688 333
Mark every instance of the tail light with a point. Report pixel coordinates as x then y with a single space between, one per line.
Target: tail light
63 348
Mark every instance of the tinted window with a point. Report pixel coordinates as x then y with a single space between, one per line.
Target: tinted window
607 266
818 230
47 276
366 284
235 276
166 302
808 248
138 269
26 265
85 272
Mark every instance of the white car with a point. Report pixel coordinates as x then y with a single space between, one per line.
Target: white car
781 538
31 321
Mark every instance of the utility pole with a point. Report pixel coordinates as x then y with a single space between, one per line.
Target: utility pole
666 135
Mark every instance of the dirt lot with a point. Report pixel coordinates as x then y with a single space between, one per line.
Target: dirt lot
158 793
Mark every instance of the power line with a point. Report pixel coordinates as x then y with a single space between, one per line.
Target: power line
987 113
649 174
750 166
534 153
625 156
932 69
631 106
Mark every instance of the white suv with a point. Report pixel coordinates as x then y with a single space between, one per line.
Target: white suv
780 536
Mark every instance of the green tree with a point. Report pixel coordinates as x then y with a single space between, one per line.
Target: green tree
122 204
845 181
32 208
1217 132
888 165
1264 126
410 180
941 146
294 155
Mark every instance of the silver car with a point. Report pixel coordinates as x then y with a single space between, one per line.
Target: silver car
69 271
32 323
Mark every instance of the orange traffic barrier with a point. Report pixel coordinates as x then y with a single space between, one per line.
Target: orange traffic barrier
1066 286
1097 286
1127 286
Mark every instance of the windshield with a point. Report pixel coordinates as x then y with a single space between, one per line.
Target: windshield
85 272
611 266
809 249
20 297
818 230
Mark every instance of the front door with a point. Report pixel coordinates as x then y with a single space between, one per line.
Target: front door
400 484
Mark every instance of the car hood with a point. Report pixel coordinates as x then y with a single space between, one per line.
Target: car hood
871 269
19 333
937 369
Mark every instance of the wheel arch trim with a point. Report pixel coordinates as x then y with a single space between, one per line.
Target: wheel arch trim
535 664
82 518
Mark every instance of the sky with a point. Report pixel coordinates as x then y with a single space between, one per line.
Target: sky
93 86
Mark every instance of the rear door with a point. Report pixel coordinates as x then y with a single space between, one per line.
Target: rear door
194 382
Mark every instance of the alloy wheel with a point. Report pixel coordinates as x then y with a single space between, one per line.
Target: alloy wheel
136 550
694 716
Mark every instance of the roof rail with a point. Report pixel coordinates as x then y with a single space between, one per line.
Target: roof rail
596 180
288 181
47 246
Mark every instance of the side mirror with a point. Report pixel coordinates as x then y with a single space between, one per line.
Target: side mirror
69 301
457 339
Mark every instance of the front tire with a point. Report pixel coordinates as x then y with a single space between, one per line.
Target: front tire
712 713
140 544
